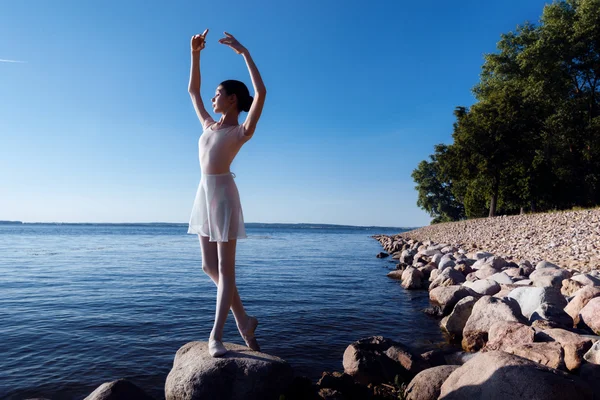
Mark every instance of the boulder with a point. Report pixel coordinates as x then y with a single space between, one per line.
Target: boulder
454 323
463 268
426 270
524 282
586 279
531 298
580 300
447 277
121 389
513 272
407 256
550 354
487 311
446 262
526 268
395 274
434 274
436 259
341 383
485 287
498 375
446 297
378 360
485 272
412 278
590 315
569 287
382 255
575 346
427 384
593 354
546 264
240 374
549 277
501 278
504 334
550 312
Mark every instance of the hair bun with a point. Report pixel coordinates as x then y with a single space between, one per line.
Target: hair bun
248 103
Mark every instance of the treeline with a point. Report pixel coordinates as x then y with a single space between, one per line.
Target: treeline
531 142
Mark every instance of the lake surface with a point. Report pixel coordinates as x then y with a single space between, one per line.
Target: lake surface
84 304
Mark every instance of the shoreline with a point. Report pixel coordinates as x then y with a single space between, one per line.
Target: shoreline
507 292
569 239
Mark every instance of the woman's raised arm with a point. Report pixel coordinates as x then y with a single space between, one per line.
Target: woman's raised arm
260 92
197 44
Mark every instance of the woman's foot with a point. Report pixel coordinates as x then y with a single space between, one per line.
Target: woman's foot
248 333
216 348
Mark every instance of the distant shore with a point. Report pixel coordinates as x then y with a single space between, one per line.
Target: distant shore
570 239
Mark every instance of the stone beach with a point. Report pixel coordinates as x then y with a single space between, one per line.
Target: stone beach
519 295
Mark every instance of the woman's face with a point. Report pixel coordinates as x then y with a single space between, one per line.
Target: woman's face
222 102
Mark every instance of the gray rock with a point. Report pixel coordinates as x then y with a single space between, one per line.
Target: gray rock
446 297
531 298
454 323
580 300
377 359
524 282
407 256
498 375
549 276
412 278
501 278
593 354
504 334
395 274
447 277
550 312
446 263
121 389
482 255
586 279
486 287
550 354
575 346
240 374
434 274
487 311
590 315
546 264
485 272
436 258
427 384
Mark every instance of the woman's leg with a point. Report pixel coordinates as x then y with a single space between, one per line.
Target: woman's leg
225 287
210 265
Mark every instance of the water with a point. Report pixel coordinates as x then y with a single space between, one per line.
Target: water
84 304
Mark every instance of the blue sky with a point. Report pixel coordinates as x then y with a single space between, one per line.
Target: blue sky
96 124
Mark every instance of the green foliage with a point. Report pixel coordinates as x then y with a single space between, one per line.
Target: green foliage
532 139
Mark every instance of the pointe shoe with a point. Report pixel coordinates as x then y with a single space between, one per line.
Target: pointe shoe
248 335
216 348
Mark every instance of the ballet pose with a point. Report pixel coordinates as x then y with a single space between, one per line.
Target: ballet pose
217 216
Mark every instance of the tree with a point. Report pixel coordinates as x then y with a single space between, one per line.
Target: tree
435 190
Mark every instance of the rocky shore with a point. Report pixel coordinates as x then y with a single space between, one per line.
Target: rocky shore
569 239
527 327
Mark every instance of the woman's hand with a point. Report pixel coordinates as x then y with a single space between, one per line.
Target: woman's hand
232 42
198 42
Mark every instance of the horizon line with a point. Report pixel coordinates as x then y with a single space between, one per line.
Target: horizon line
185 223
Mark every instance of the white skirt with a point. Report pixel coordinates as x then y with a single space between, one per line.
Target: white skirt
217 211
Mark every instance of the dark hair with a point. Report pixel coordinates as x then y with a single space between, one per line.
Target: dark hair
241 91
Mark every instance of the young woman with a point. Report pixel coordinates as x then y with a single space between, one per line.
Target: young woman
217 216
